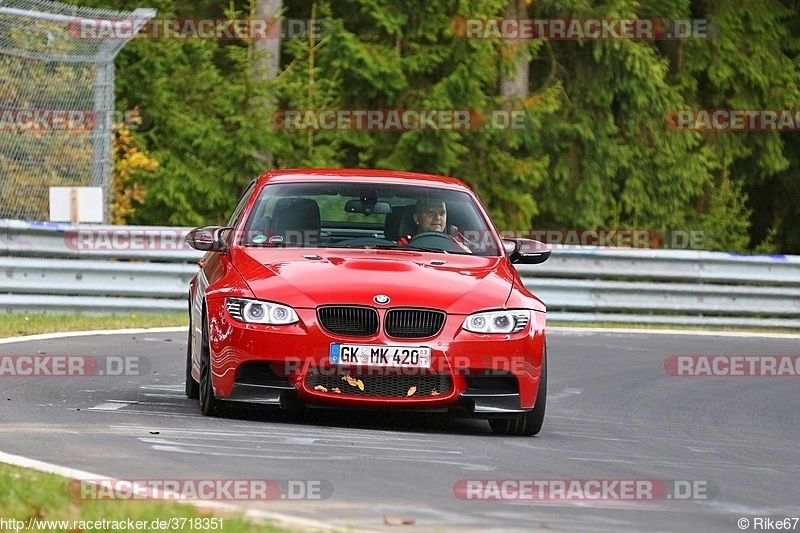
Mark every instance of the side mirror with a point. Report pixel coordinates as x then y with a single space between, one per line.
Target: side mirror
526 251
208 239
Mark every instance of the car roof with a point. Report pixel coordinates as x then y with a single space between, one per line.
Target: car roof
362 175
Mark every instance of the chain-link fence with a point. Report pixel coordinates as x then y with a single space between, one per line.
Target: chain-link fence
56 99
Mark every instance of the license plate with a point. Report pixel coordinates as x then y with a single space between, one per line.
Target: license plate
383 356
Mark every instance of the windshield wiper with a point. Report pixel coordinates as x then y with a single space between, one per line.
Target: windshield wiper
387 246
382 246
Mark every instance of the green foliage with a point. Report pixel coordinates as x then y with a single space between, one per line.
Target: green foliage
726 221
595 153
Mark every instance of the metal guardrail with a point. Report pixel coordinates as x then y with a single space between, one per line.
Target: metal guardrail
143 243
97 269
67 277
668 287
670 266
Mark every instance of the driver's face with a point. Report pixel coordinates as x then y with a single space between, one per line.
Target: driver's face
433 218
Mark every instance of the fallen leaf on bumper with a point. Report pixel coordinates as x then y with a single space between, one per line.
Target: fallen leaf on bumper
353 382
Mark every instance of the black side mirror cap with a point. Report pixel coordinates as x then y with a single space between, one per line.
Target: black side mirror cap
208 239
526 251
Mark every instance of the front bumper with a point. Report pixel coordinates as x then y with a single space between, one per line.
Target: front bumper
473 374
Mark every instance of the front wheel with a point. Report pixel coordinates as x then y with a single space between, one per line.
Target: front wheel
531 422
209 404
192 386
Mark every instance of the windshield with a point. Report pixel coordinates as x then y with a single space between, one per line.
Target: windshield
368 215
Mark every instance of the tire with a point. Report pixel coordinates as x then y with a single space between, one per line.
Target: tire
531 422
209 404
192 386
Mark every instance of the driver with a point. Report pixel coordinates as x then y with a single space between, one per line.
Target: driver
431 215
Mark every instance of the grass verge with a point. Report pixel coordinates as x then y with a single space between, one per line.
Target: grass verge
17 324
30 495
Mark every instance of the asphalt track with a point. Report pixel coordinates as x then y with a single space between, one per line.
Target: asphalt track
613 414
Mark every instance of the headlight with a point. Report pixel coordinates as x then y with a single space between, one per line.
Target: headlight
497 321
257 312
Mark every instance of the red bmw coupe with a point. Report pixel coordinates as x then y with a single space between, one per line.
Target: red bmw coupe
366 289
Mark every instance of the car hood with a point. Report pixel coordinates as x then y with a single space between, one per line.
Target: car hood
311 277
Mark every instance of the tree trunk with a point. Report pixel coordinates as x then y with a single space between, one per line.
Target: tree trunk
515 83
267 59
673 51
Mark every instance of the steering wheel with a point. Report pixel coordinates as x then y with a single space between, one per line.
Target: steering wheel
433 239
425 234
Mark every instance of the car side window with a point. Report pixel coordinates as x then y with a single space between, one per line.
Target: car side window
237 213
